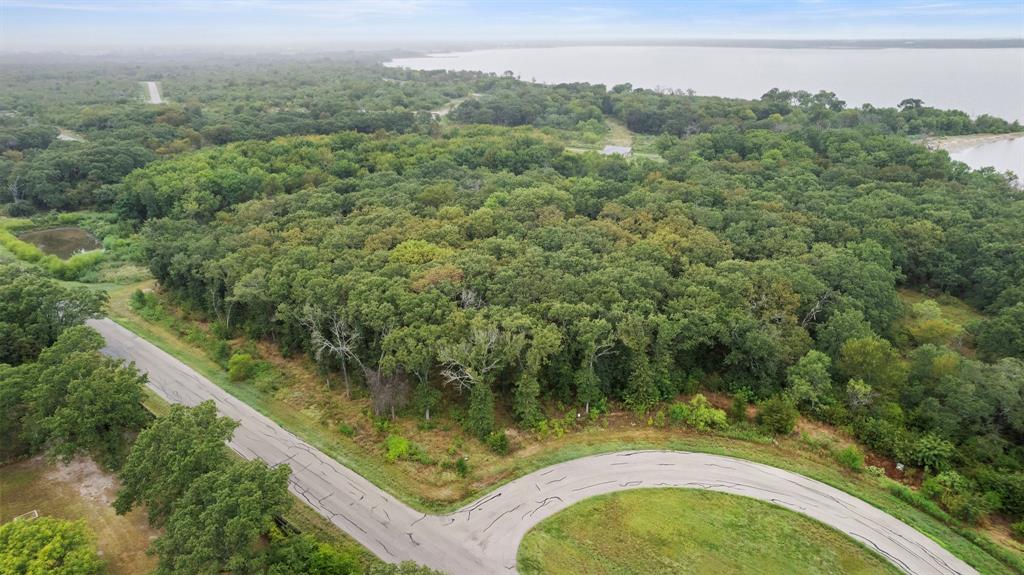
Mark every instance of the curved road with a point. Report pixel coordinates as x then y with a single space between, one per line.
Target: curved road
483 537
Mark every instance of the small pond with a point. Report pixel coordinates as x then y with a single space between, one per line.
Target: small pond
62 242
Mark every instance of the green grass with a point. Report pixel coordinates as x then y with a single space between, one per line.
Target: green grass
952 308
677 531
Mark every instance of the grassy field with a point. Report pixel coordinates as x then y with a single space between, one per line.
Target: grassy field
677 531
80 490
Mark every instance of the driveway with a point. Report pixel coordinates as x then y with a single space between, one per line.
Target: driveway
483 537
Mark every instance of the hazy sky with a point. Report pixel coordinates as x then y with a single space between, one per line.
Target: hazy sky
92 24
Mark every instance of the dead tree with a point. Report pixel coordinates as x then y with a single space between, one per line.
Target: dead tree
330 335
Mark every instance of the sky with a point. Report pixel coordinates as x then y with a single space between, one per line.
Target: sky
90 25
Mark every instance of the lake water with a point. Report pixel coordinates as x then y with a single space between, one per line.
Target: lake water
62 242
1002 155
977 81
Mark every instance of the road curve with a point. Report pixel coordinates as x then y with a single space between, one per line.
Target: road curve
484 536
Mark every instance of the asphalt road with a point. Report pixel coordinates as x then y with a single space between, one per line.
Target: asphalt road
484 537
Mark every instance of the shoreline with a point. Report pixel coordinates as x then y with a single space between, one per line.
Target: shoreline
954 144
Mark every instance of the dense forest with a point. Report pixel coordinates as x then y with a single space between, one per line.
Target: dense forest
321 206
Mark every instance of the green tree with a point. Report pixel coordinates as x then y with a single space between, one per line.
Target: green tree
216 524
873 360
170 455
1002 335
47 546
98 412
842 326
810 383
642 391
34 311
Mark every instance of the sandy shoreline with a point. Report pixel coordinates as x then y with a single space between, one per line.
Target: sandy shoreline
954 144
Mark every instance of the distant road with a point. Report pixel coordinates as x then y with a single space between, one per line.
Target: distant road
483 537
154 93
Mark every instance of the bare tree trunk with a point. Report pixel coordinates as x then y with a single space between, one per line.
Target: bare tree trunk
348 386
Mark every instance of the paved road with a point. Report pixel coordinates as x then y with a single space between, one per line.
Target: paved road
154 93
483 537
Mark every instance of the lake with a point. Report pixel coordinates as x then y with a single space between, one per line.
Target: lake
977 81
1003 155
62 242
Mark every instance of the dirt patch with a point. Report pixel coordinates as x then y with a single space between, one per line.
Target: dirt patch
87 478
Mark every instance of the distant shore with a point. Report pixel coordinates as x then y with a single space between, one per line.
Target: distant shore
954 144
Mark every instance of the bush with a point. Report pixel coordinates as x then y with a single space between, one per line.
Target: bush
698 414
678 412
777 415
1009 486
931 452
498 442
241 367
851 458
461 466
1018 530
703 416
959 496
738 408
396 447
882 436
304 554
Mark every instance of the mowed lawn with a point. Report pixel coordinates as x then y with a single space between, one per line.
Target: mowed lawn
650 531
80 490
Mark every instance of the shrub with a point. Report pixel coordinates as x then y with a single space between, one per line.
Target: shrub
461 467
971 506
778 415
221 352
659 418
241 367
738 408
498 442
959 496
1009 486
346 429
698 413
703 416
851 458
1018 530
396 447
949 481
678 412
931 452
882 436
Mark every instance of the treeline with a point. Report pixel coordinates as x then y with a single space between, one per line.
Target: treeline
492 263
509 102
